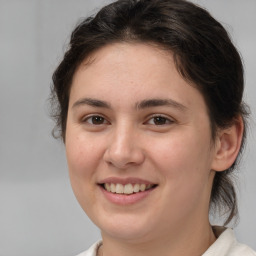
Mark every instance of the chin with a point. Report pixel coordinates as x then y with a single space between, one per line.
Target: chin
128 234
126 228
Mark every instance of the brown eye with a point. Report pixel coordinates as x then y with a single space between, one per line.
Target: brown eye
96 120
159 120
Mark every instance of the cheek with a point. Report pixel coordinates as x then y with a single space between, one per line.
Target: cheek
82 155
185 169
184 160
81 167
80 161
180 150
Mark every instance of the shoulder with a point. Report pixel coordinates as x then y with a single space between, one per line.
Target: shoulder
241 249
227 245
92 251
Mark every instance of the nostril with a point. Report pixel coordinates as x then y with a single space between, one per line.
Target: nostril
123 158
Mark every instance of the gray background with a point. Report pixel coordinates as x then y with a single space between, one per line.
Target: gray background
39 215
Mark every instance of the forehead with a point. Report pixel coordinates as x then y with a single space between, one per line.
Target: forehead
126 72
125 56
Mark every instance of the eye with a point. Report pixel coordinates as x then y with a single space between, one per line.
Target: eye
95 120
159 120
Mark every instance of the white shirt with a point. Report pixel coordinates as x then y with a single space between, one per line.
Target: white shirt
225 245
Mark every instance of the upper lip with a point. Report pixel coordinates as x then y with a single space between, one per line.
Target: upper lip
123 181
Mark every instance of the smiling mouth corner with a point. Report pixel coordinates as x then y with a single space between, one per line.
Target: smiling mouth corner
127 189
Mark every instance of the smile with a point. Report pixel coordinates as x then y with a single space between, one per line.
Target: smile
126 189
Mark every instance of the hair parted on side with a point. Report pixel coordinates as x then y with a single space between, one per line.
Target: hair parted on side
203 53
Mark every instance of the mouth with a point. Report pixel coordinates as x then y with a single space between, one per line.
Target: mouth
127 189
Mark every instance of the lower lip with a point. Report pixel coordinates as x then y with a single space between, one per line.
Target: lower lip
123 199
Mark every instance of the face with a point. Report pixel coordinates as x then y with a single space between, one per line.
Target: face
138 144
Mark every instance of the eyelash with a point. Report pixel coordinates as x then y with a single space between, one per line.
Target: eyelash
85 120
104 121
164 118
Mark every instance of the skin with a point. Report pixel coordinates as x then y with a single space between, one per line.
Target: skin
174 151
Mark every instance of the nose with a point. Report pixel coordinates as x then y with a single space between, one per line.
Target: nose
124 150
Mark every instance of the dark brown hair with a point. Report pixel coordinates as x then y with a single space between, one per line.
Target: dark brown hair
203 53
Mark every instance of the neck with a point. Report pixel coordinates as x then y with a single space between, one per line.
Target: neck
194 242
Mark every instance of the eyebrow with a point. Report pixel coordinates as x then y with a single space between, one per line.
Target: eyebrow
160 102
148 103
91 102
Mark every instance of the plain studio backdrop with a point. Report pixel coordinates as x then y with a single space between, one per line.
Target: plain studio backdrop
39 215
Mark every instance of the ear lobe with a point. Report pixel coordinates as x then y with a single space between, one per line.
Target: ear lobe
227 145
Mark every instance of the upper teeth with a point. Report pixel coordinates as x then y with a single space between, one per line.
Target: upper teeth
126 189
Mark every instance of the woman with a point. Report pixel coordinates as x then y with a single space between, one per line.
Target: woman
150 109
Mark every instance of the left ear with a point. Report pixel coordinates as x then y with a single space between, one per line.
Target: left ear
227 145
